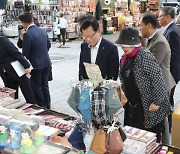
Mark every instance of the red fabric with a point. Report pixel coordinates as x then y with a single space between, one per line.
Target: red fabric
130 55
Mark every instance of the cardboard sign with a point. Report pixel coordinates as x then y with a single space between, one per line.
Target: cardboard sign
94 73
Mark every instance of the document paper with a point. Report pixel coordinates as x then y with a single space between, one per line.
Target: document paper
18 68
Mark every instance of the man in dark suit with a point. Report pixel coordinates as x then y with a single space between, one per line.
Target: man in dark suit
172 34
97 50
8 54
35 46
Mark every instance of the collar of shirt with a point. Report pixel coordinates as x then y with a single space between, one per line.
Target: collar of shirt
29 26
165 27
150 37
94 51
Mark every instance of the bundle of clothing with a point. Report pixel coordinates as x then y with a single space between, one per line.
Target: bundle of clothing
97 107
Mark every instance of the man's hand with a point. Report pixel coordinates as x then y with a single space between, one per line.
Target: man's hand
22 33
153 107
28 70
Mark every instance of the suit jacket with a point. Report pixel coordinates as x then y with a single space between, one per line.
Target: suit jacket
159 47
107 59
8 54
35 46
172 34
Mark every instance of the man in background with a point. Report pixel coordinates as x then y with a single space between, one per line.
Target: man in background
35 47
62 25
35 19
8 54
172 34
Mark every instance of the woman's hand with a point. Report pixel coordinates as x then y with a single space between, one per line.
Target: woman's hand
153 107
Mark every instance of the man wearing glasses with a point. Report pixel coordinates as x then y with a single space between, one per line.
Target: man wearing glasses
97 50
172 34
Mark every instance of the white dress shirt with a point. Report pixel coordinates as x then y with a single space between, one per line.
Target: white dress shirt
94 51
63 23
165 27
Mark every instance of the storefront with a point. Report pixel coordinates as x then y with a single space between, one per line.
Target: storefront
47 12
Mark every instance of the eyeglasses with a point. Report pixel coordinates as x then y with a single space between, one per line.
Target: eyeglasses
161 15
90 36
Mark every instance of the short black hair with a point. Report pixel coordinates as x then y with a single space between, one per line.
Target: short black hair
152 19
83 17
90 22
61 15
26 17
168 10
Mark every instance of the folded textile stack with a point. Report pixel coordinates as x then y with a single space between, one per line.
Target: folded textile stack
9 91
48 132
31 109
138 137
10 103
2 95
58 122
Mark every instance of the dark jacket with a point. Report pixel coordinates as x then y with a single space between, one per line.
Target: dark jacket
172 34
35 47
8 54
107 60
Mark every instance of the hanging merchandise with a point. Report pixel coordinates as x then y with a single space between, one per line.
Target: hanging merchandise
76 138
98 108
112 101
98 144
114 141
85 105
73 99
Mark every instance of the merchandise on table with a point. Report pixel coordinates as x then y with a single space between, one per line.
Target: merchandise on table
137 139
96 100
58 120
9 91
32 109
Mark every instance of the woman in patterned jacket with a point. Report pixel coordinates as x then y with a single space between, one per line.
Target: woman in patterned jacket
143 84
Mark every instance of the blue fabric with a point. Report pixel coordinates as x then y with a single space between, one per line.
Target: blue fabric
76 138
85 105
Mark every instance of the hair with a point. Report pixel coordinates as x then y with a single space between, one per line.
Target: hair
90 22
168 10
26 17
26 130
83 17
152 19
35 127
61 15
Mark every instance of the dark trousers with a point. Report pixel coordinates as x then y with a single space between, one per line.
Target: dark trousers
63 34
24 83
40 86
172 104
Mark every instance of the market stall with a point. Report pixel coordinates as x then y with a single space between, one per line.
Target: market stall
47 12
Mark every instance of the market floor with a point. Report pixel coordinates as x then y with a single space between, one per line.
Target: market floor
65 72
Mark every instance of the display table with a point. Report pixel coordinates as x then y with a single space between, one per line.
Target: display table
45 148
172 149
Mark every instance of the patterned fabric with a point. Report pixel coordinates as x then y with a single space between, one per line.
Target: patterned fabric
98 108
151 85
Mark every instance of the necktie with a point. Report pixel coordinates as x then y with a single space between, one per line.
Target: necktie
149 40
